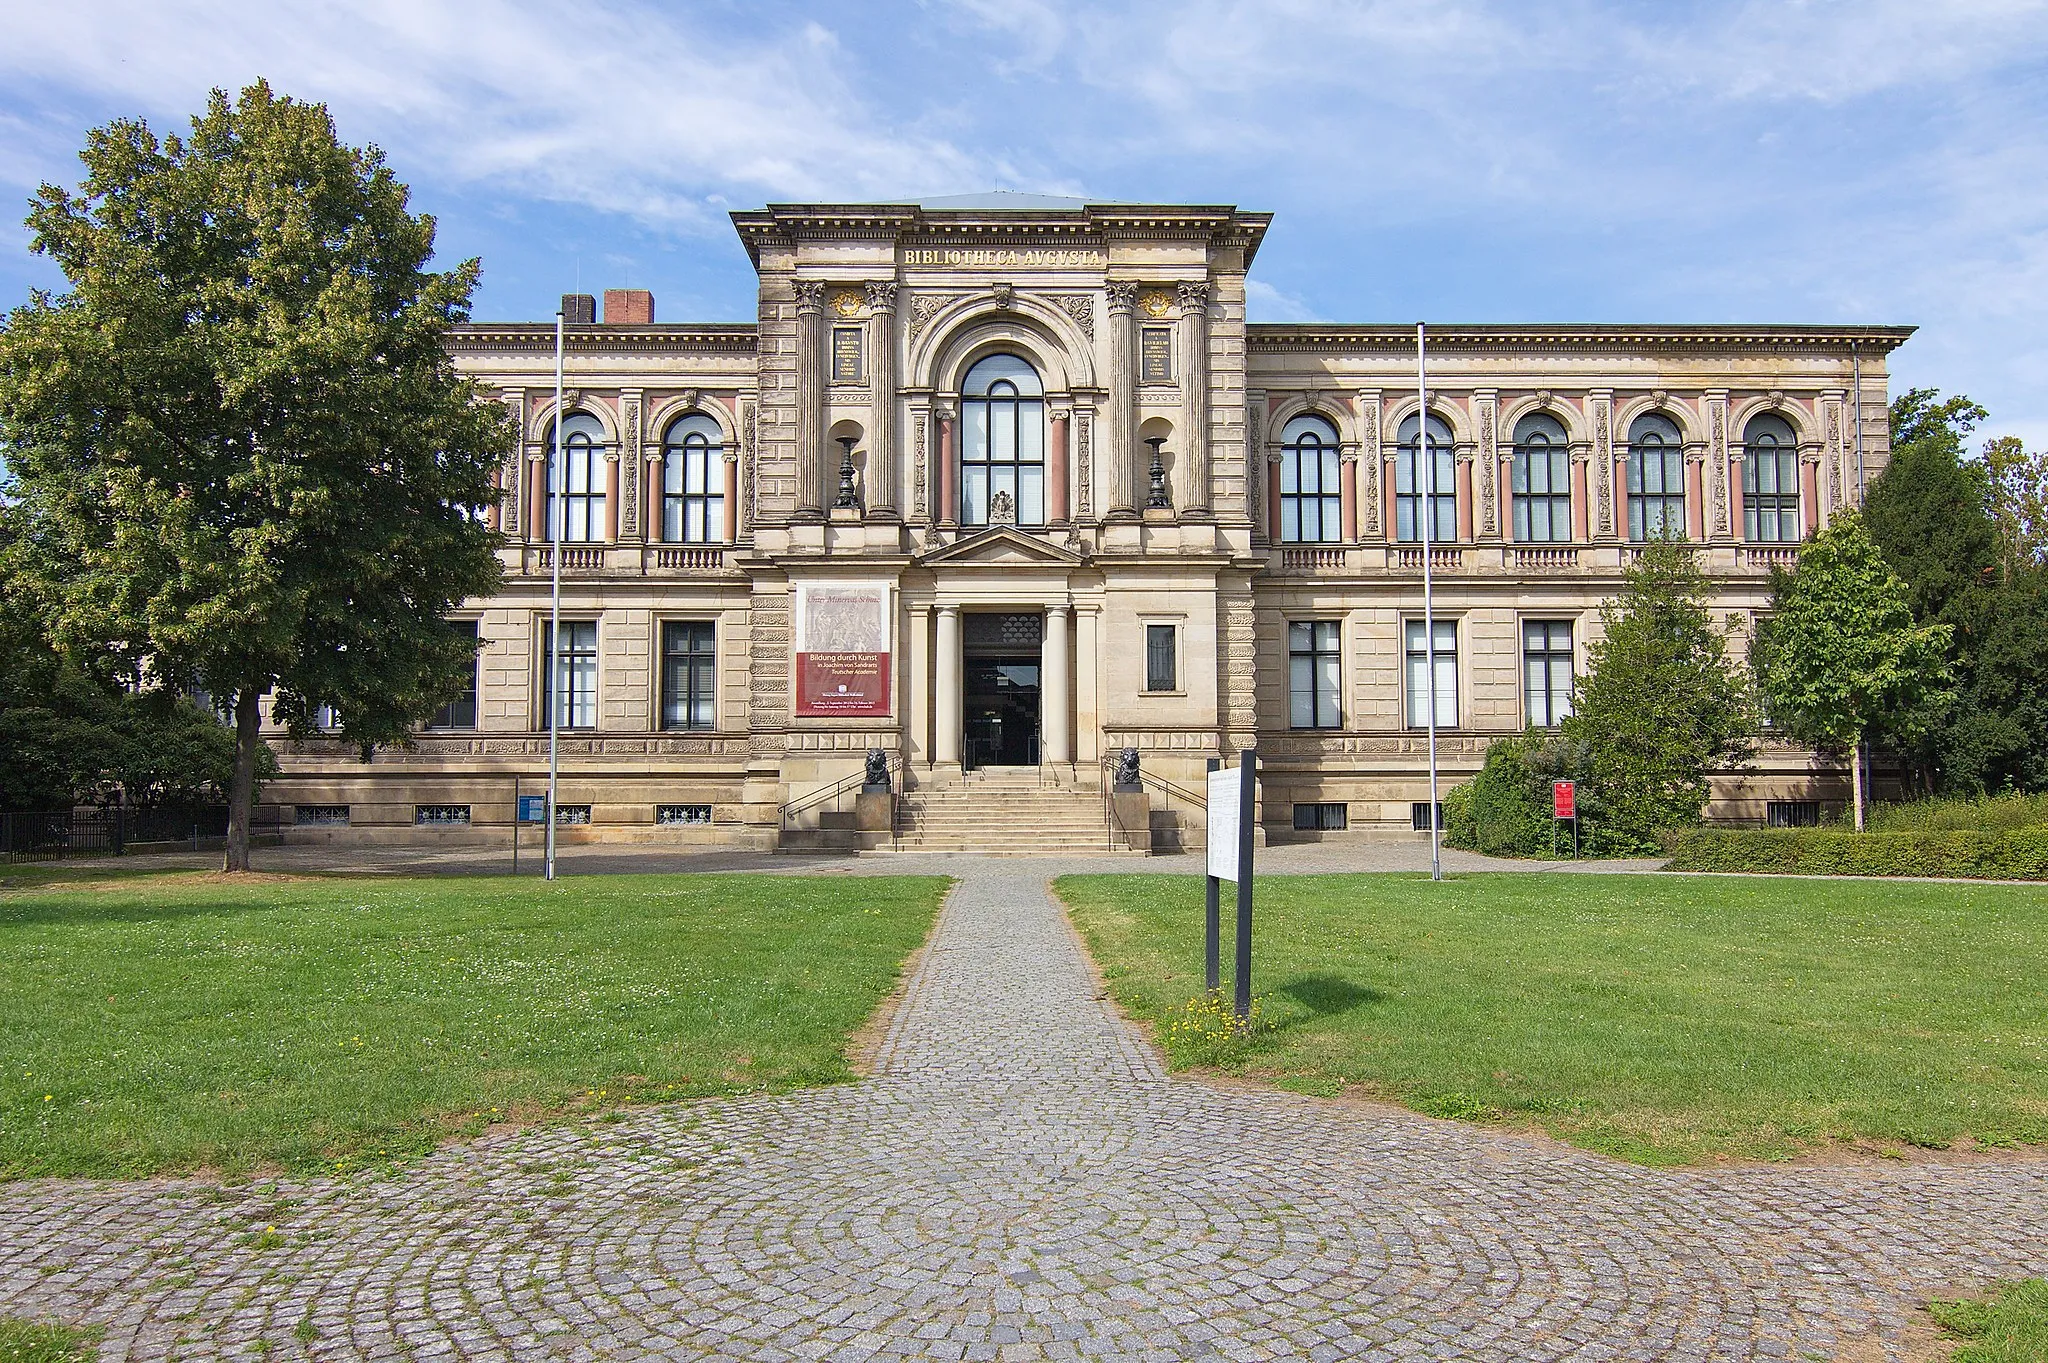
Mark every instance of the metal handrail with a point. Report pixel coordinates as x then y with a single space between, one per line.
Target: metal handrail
835 792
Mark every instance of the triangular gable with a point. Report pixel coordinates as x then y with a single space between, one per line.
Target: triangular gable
1002 546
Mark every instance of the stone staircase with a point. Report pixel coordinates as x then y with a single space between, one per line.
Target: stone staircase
1004 812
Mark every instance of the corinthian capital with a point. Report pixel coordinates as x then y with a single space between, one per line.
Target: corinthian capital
1194 296
810 295
882 296
1123 295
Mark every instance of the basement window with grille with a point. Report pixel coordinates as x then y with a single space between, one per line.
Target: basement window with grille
1323 817
1418 815
440 816
572 814
318 815
672 816
1792 814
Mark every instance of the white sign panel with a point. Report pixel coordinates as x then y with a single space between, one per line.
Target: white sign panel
1225 819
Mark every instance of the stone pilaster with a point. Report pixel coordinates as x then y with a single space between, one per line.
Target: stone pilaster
632 465
1719 524
1601 403
1486 406
810 398
1196 493
1371 458
1118 436
884 495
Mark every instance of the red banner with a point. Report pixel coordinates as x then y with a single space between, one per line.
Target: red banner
855 684
1564 799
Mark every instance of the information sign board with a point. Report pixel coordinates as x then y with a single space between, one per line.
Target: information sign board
1225 822
842 649
1564 799
533 809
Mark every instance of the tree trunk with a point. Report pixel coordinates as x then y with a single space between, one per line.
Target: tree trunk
1856 779
242 795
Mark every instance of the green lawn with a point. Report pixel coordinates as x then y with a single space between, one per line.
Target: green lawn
183 1022
2011 1327
1664 1020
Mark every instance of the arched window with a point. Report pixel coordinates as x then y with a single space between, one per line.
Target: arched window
1413 480
1770 481
1309 470
1656 478
1002 441
1542 479
693 481
577 475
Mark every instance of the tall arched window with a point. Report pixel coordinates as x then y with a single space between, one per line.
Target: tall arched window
1770 481
577 476
1309 472
693 481
1413 480
1542 479
1656 478
1002 441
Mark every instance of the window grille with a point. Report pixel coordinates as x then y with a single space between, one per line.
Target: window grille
689 674
572 814
1542 480
1770 481
1546 671
693 481
1161 672
319 815
1413 479
431 816
1418 815
1323 817
671 816
1656 478
1310 472
1791 813
1314 675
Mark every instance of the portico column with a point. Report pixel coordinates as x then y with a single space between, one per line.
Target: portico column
1087 707
1809 492
537 504
611 497
1347 497
946 703
1581 500
1194 397
949 471
920 687
883 501
1056 469
1118 444
1695 502
810 393
651 518
732 497
1464 499
1055 675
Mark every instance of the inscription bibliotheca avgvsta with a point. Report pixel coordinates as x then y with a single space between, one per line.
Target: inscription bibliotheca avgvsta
1000 257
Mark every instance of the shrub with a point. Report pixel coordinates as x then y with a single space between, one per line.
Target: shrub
1983 812
1504 811
2010 855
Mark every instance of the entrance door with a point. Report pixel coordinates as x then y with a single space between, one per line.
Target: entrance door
1001 710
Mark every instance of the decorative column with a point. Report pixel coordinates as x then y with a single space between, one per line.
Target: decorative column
538 479
1195 495
611 495
1601 401
1272 462
1056 478
1347 495
1087 697
1491 520
1695 489
1581 506
946 702
810 398
1841 467
1464 462
655 529
884 479
732 497
1118 436
1368 401
920 687
1809 491
949 470
1389 506
632 469
1057 677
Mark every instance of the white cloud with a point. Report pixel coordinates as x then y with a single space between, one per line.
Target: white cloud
1264 303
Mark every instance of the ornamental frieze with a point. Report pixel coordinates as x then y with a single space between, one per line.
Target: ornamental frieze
925 306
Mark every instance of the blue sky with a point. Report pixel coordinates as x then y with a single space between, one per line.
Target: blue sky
1881 161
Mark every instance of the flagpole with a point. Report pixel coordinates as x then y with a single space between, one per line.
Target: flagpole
553 652
1428 458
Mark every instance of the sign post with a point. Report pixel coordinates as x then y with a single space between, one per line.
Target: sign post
1564 804
1233 812
1212 915
531 809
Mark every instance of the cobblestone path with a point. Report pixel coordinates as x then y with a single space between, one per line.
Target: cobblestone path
1021 1181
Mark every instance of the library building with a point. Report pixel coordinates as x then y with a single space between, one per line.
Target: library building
1000 521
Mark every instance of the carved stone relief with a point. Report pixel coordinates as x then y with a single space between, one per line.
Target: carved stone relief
1371 460
749 465
1193 295
1004 294
1603 467
630 466
1123 295
1080 307
1717 463
917 463
924 307
1489 466
882 295
1834 443
1084 477
810 295
512 507
1254 464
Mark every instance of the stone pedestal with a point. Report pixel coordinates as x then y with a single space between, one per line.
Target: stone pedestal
1134 817
874 811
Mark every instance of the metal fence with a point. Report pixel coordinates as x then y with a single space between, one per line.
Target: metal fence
48 834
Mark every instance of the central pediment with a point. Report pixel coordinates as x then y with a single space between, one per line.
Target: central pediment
1002 546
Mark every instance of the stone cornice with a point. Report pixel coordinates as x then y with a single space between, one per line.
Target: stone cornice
724 338
1569 337
1222 224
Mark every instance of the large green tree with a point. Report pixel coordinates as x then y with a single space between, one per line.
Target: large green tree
1661 704
1843 649
238 430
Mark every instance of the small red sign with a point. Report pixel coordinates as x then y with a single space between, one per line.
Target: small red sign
1564 799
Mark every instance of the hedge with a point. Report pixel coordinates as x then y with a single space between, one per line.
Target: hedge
2010 855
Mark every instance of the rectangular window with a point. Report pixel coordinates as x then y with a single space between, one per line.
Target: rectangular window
1543 494
689 674
580 481
1155 355
672 816
1546 671
440 816
1656 493
693 492
317 815
1791 813
1326 817
1409 487
1314 673
566 814
573 676
1770 496
1446 681
1418 815
1161 671
460 713
326 717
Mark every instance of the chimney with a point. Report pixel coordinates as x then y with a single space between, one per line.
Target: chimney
579 309
628 307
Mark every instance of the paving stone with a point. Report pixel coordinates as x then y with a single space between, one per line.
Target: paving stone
1023 1181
